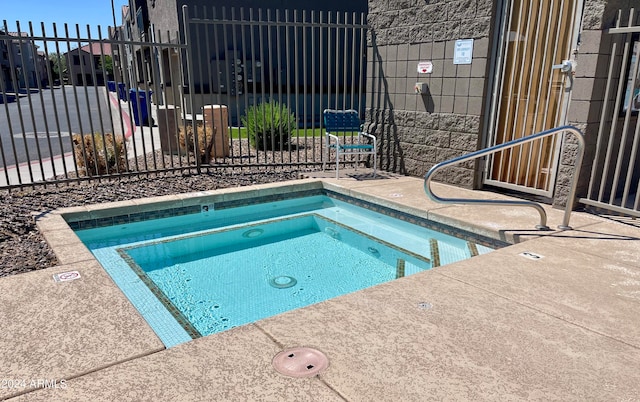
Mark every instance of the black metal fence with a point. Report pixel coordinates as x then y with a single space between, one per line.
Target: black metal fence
230 88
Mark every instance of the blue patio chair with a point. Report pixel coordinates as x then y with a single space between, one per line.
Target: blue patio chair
346 121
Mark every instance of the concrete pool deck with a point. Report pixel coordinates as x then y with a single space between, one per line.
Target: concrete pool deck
499 326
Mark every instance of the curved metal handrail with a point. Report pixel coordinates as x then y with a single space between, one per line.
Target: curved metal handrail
487 151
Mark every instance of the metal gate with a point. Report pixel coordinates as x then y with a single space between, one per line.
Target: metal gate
530 92
614 183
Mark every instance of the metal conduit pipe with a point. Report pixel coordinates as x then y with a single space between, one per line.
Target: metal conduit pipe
487 151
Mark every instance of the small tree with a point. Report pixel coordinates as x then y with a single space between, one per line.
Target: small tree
58 64
106 62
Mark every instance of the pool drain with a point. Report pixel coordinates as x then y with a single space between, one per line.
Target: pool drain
300 362
283 282
250 234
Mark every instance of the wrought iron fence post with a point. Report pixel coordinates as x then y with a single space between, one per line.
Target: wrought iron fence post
185 19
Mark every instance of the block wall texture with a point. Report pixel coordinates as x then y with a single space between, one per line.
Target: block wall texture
418 131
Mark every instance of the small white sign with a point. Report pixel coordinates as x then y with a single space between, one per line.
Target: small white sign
66 276
463 51
530 255
425 67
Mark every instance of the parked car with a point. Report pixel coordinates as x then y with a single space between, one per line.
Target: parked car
10 98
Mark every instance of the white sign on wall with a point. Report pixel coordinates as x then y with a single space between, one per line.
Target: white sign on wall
463 52
425 67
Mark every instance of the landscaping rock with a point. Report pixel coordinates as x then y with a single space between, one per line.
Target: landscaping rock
22 247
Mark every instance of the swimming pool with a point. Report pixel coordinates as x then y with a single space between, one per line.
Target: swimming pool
208 267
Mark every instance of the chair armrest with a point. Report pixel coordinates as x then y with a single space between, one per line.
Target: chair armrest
331 136
370 136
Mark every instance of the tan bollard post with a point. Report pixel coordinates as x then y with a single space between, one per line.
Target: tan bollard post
169 142
216 120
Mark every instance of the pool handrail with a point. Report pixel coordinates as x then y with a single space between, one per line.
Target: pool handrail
490 150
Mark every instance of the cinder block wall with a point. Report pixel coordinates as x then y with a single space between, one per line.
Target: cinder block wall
417 131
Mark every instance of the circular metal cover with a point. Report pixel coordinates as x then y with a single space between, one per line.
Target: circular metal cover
300 362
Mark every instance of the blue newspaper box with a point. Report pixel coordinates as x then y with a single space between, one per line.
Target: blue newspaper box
111 86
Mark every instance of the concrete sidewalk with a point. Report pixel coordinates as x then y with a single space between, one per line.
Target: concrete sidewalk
500 326
139 140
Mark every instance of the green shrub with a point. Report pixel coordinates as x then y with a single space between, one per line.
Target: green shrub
269 125
97 154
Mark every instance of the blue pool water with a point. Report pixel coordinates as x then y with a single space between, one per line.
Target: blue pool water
206 272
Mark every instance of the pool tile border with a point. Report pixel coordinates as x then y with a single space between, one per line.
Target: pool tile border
473 249
435 253
123 219
226 204
420 221
160 295
267 198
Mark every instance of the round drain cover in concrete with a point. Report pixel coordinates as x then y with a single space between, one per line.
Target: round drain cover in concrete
300 362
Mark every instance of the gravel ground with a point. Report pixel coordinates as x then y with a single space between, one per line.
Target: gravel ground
23 249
